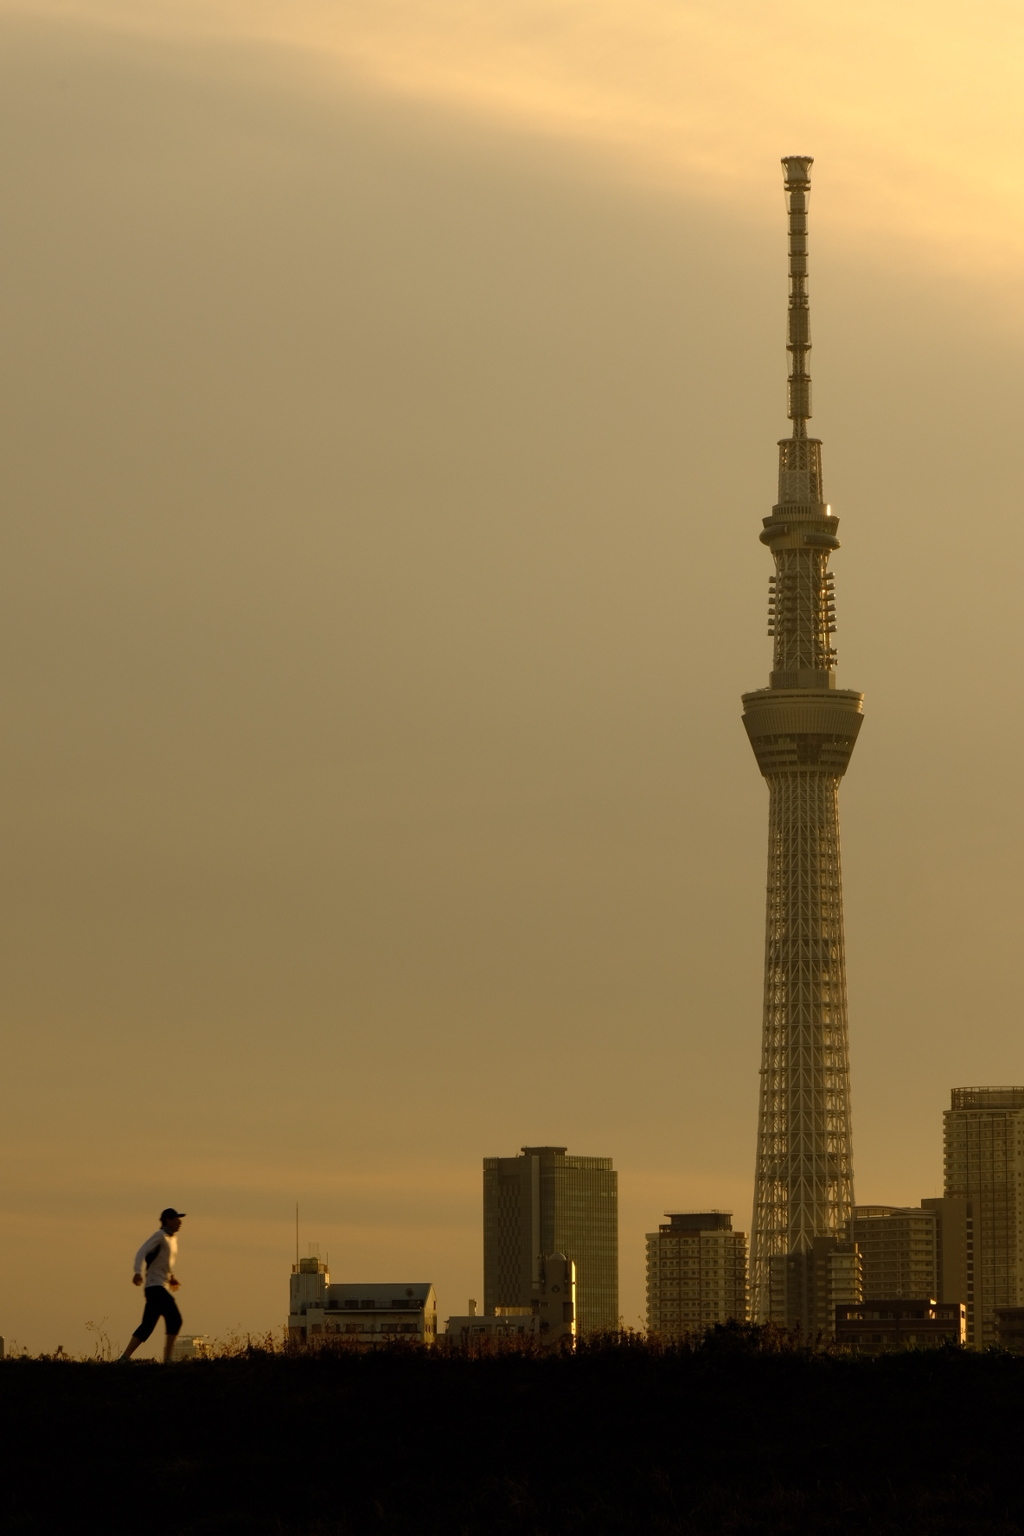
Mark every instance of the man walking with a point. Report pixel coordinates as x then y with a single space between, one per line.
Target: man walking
158 1254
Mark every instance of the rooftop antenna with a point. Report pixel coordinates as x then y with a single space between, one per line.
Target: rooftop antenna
296 1237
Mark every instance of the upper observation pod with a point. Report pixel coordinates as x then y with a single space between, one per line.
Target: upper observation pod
798 170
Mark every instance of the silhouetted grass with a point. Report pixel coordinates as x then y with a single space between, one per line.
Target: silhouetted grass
740 1433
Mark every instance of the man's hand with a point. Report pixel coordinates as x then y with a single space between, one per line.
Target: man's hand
174 1284
136 1279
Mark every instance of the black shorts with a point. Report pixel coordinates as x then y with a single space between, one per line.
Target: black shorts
159 1303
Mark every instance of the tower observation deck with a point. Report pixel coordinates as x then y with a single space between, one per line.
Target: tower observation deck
802 729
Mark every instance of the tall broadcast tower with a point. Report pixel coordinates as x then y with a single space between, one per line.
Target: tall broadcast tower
802 729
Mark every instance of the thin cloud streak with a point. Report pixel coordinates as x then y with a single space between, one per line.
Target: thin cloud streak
916 109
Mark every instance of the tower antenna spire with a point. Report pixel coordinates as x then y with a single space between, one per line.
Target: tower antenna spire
797 171
802 729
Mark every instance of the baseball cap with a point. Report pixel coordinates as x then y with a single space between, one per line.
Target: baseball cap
170 1214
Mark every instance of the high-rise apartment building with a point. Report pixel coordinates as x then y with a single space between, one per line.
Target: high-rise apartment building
808 1285
899 1250
696 1273
546 1201
984 1167
802 729
952 1230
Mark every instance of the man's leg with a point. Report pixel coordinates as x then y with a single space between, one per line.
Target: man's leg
172 1322
151 1312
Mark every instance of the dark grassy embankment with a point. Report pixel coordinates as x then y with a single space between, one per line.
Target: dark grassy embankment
621 1439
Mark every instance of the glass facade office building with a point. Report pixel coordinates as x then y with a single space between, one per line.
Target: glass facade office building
546 1201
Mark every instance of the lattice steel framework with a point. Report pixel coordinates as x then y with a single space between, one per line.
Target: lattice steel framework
802 729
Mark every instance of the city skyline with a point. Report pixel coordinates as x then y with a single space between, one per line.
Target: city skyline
380 466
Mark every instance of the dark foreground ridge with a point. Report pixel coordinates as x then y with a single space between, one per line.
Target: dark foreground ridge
620 1438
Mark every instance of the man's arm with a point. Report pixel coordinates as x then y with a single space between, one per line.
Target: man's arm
146 1254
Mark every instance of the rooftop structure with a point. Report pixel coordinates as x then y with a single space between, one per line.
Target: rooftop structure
802 729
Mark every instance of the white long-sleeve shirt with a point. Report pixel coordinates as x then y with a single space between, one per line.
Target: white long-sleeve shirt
158 1253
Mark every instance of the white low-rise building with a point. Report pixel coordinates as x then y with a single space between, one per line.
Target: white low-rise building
508 1323
192 1346
360 1313
550 1318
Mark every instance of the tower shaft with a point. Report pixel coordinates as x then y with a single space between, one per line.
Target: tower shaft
802 729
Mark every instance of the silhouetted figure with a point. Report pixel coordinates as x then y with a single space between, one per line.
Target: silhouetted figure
158 1254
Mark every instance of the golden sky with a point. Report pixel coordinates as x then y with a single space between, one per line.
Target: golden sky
917 107
390 399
